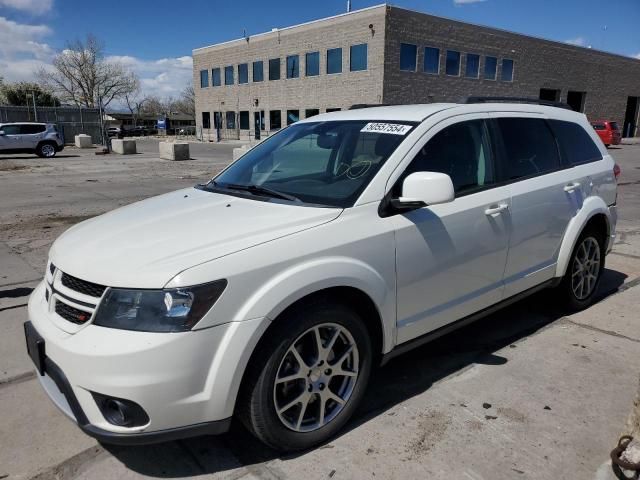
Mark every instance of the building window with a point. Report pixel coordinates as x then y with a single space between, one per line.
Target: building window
274 120
358 57
310 112
258 71
204 78
206 120
215 77
431 60
274 69
244 120
243 73
408 57
228 75
293 116
293 66
334 60
312 64
329 110
231 120
452 66
507 70
217 120
490 67
472 69
258 120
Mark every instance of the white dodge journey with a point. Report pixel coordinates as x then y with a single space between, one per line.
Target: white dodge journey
270 292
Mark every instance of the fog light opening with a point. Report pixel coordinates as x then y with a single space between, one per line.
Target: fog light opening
121 412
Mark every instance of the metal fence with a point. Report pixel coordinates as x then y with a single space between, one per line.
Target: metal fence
70 121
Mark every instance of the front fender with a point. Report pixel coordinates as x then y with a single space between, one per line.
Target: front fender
300 280
592 206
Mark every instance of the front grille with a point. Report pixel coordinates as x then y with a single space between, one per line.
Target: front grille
72 314
82 286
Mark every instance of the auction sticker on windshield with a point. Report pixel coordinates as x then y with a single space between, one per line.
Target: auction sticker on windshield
392 128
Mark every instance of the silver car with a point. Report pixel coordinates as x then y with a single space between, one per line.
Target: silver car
42 139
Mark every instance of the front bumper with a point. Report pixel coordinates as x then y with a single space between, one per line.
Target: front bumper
186 382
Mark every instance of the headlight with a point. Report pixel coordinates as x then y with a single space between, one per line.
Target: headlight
168 310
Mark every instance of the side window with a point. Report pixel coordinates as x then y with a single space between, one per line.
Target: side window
462 151
530 147
31 129
575 143
11 129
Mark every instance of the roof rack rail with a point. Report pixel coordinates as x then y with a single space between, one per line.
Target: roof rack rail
357 106
536 101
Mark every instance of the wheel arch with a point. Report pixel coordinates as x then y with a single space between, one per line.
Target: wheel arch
594 213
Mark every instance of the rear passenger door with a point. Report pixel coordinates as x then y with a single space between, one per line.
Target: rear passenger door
30 135
545 195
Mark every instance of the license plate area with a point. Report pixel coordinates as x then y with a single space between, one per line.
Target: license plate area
35 346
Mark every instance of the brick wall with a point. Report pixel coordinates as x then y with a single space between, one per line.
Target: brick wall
607 79
322 92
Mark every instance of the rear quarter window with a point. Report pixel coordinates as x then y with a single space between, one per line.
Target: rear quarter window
575 143
32 129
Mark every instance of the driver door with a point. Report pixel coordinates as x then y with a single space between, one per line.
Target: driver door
11 138
450 258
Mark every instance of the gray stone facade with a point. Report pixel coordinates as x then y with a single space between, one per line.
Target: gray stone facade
606 81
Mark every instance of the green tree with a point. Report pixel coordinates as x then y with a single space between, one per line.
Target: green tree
21 93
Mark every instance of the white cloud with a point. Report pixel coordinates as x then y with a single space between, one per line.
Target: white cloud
466 2
163 77
578 41
36 7
22 49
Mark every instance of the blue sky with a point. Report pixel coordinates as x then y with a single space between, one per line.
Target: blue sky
156 37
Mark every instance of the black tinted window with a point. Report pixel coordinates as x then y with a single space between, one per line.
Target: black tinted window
258 72
576 144
274 69
530 147
312 64
32 129
462 151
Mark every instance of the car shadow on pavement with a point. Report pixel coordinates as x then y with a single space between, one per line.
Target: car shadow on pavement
404 377
32 157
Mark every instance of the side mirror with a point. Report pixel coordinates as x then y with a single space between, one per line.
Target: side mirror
424 188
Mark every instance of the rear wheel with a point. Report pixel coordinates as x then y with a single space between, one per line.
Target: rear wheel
46 150
307 379
580 283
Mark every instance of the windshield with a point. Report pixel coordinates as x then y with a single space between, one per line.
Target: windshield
325 163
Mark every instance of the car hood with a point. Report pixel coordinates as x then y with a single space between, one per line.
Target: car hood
145 244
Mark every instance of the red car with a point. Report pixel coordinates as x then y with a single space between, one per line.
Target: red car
607 131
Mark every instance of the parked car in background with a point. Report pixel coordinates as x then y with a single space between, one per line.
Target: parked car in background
113 131
337 243
42 139
608 131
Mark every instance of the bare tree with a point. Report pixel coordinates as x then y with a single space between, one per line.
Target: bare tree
187 101
135 103
81 75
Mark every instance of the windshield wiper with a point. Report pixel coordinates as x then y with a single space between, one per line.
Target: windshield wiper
259 190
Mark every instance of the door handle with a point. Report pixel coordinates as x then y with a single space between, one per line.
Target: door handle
495 210
571 187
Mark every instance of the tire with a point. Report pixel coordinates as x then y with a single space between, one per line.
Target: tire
576 295
320 382
46 150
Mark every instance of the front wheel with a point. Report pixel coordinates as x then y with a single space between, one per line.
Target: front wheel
307 379
580 283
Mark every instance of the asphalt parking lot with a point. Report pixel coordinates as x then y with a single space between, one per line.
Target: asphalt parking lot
529 392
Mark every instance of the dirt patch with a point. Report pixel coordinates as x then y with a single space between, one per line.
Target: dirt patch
432 426
511 414
10 167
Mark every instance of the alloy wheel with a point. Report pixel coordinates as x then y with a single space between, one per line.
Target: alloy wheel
316 377
48 150
585 268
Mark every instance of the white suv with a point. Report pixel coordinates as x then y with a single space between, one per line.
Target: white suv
39 138
271 292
